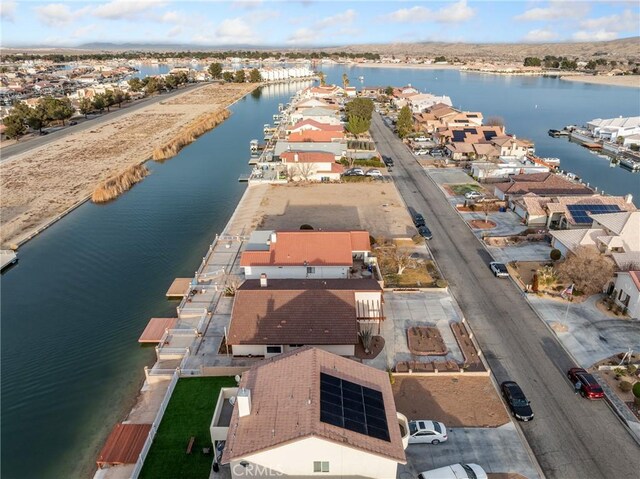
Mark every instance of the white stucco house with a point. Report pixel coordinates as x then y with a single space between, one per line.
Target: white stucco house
272 316
311 413
304 254
611 128
311 166
626 292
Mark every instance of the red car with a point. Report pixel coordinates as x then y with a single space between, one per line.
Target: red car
589 387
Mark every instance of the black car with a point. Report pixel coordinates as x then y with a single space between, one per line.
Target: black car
425 232
418 220
387 161
517 401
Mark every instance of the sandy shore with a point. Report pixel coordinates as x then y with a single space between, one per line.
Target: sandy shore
44 182
632 81
421 66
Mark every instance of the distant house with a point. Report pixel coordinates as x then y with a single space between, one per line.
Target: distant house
312 165
337 148
501 167
313 136
272 316
326 91
626 291
313 125
612 128
294 417
423 101
304 254
542 184
319 114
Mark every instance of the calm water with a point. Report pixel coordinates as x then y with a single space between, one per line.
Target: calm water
529 107
74 306
82 292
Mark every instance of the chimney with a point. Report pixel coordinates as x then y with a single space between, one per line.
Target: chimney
273 237
295 157
263 280
244 402
628 198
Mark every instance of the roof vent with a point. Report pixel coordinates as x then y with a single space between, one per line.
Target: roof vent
263 280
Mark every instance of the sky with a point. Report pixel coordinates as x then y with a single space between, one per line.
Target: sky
264 23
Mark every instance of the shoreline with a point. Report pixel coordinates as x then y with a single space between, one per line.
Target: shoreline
626 81
34 204
405 66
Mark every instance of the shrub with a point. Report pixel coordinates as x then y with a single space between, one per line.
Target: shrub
619 372
632 369
625 386
555 254
442 283
636 390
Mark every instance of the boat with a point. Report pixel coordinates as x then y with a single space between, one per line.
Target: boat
630 164
7 258
551 161
558 133
361 78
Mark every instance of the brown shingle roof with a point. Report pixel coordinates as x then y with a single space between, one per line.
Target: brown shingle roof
548 184
290 311
285 406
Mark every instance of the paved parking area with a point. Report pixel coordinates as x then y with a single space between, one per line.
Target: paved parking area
534 251
443 176
507 223
591 336
403 310
495 449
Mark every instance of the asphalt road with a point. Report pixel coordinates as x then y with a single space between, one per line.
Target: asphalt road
570 436
54 135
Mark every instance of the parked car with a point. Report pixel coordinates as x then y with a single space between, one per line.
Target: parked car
589 387
517 401
437 153
473 195
354 172
425 232
499 269
418 219
374 173
427 432
387 161
73 122
44 132
455 471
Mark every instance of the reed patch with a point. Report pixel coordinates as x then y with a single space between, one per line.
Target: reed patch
118 184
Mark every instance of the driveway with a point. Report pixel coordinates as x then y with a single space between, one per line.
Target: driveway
530 251
592 336
404 310
495 449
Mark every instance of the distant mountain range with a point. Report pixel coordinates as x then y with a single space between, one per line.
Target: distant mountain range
627 48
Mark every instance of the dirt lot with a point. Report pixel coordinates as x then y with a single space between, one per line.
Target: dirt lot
43 182
375 207
460 401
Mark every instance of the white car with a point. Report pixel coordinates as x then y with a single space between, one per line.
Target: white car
427 432
455 471
473 195
499 269
375 173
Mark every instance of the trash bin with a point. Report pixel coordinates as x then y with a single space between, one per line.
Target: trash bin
503 209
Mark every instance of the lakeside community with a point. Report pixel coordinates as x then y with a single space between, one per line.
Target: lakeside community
319 334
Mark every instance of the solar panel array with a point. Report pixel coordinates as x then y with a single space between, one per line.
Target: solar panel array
489 134
579 212
458 135
352 406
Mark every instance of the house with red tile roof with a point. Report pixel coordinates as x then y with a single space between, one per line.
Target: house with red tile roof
311 165
310 124
541 184
304 254
272 316
316 136
294 415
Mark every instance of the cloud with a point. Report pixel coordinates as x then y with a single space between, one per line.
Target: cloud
8 10
338 20
175 31
622 22
235 30
452 13
540 35
555 10
85 30
598 36
126 9
303 36
336 24
246 4
56 14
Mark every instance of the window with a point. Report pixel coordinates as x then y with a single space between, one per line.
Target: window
320 466
274 349
311 270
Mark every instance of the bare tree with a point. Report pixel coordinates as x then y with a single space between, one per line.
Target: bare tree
402 258
305 170
587 269
494 121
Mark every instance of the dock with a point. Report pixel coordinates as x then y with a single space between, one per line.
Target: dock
156 328
178 288
592 146
7 258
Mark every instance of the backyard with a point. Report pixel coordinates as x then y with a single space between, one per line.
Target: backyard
188 415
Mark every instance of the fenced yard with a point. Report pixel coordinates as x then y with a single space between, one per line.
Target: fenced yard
188 415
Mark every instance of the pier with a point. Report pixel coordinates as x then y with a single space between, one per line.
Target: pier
7 258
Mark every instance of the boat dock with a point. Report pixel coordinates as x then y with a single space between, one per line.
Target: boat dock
178 288
7 258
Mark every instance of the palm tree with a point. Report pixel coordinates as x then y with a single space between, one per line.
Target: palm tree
323 81
345 80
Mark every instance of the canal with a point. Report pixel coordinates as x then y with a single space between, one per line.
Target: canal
82 292
74 306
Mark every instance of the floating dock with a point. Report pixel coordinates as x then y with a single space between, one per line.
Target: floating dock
7 258
179 288
156 328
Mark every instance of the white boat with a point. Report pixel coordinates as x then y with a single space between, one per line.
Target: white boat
552 161
7 258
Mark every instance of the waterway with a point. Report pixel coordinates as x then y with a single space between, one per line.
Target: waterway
530 106
82 292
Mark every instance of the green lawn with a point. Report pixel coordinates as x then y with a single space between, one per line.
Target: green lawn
188 414
465 188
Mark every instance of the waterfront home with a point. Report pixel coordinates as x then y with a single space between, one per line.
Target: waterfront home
305 254
272 316
567 212
423 101
311 165
372 91
541 184
321 91
442 116
631 140
610 233
315 103
625 291
319 114
313 125
311 413
503 168
337 148
611 128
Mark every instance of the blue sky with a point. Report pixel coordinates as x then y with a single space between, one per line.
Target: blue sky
314 22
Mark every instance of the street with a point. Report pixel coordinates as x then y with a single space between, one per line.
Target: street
571 437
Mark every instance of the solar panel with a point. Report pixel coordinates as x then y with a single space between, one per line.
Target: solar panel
489 134
580 213
458 135
352 406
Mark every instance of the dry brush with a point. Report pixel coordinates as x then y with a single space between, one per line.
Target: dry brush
118 184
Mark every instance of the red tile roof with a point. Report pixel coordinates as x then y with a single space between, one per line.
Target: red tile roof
316 136
317 124
307 157
310 248
124 444
635 276
542 184
285 406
